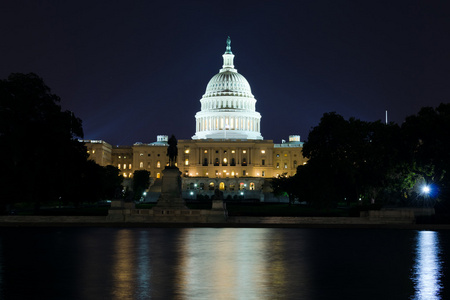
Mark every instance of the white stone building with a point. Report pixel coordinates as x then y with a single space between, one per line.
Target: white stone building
227 151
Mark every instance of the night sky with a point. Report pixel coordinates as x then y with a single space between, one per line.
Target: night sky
134 69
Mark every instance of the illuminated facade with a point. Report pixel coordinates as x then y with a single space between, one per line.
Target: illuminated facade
227 151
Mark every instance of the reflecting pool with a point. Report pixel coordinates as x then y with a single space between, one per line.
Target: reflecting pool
223 263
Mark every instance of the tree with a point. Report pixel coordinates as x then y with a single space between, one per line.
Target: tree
285 185
428 148
40 153
349 160
141 181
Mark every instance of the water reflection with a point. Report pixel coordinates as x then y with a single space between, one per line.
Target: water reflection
123 267
427 270
231 264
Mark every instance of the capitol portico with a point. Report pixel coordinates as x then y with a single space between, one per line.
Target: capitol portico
227 151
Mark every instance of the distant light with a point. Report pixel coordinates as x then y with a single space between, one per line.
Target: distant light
242 193
144 194
426 189
192 193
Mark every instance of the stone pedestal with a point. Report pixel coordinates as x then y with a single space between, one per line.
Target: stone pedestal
171 190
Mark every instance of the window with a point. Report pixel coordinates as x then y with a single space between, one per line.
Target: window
263 162
244 161
233 151
93 151
158 175
206 151
120 156
125 175
244 151
285 165
216 162
186 150
148 154
252 186
141 154
241 186
244 173
233 162
129 166
149 164
205 162
222 186
130 175
278 155
263 151
232 173
141 164
211 185
118 166
158 164
278 165
263 173
124 166
285 154
186 162
225 161
295 164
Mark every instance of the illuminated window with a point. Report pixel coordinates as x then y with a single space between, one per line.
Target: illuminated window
120 156
222 186
278 165
88 151
206 151
244 151
125 175
93 151
244 161
232 173
158 164
252 186
186 162
158 175
225 161
130 175
141 165
118 166
241 186
285 165
125 166
141 154
129 166
186 150
124 157
233 151
211 185
217 173
263 151
285 154
278 155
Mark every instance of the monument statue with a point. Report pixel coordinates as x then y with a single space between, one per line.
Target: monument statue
172 151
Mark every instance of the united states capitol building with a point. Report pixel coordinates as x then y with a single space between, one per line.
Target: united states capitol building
227 151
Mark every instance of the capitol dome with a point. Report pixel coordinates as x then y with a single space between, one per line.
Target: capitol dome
228 84
228 106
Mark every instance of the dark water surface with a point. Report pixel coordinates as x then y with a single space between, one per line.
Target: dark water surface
228 263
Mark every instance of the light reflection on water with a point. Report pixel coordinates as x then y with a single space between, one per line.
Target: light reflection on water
427 269
222 263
